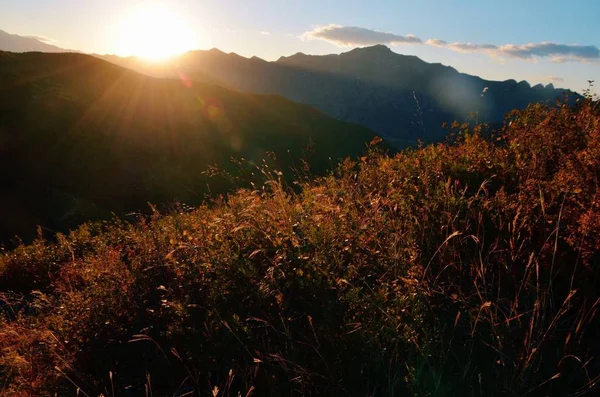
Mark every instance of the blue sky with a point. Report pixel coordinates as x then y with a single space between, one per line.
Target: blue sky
493 39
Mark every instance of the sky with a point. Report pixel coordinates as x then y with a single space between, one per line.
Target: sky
538 41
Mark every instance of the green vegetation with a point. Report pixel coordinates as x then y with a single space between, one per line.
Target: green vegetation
461 269
81 138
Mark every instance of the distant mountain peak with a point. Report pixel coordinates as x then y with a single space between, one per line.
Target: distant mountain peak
16 43
377 48
380 53
298 55
377 55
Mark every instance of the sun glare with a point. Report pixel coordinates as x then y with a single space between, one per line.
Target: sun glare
154 32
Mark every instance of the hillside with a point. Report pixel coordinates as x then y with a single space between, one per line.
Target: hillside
462 269
400 97
81 138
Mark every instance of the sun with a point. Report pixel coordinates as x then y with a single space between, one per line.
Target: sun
154 31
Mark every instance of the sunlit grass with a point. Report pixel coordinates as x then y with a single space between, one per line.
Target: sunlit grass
454 269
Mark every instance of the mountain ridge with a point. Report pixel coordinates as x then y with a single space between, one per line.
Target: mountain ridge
401 97
17 43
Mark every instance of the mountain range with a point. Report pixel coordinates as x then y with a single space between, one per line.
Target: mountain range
81 138
401 97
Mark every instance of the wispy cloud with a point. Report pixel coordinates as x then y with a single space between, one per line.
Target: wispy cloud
265 33
351 36
462 47
556 52
44 39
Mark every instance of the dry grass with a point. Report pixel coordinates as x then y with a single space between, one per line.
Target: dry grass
466 268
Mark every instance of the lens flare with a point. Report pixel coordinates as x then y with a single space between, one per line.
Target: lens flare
185 79
212 109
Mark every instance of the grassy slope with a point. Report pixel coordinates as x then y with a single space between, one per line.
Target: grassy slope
80 138
468 269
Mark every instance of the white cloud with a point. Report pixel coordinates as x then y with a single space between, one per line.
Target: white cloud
44 39
555 52
462 47
264 33
351 36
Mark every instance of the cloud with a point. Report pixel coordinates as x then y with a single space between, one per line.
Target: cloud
462 47
553 50
43 39
350 36
264 33
556 52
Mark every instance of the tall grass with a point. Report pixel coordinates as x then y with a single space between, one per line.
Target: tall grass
456 269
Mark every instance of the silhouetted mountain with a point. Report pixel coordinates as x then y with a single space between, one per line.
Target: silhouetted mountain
80 138
16 43
399 96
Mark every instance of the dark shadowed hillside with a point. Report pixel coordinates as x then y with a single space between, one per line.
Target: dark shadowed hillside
398 96
81 138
